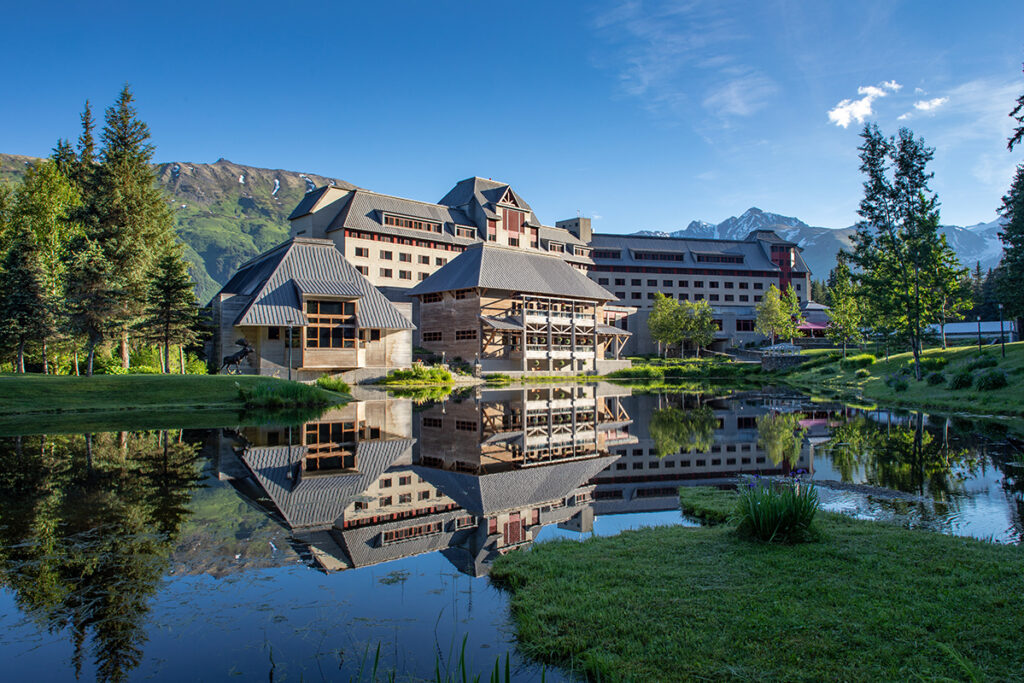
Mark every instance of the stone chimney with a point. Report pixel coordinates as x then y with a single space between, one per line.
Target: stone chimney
577 226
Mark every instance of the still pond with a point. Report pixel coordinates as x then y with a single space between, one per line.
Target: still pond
297 552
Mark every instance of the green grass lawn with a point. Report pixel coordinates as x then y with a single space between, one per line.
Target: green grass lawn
867 602
823 371
22 395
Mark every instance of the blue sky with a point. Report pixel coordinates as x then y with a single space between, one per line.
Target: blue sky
642 115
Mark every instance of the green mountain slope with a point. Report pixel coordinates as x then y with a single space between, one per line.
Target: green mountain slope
225 213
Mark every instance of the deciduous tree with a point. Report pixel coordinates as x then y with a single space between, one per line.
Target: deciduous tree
845 313
771 320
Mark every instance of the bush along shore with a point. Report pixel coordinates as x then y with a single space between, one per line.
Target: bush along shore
858 601
961 379
24 395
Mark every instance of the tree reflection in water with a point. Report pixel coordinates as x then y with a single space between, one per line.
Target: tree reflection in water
782 437
86 531
677 430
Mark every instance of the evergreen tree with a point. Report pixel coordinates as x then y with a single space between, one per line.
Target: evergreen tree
819 291
845 314
172 313
26 308
1017 114
126 218
93 304
897 246
1011 291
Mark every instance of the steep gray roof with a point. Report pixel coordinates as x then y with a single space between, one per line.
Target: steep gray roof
308 201
276 279
485 194
318 501
755 257
515 270
365 211
487 494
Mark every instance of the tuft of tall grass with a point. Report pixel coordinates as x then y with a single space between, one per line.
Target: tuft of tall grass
278 394
776 512
861 360
335 384
419 374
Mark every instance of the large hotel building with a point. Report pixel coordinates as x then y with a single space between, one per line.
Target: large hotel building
397 243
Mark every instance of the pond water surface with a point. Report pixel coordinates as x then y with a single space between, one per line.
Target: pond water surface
296 552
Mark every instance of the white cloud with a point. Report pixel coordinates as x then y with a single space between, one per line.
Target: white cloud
850 110
903 117
740 97
930 105
597 217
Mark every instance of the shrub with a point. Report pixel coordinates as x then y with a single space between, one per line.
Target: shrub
144 370
419 374
863 373
934 363
861 360
936 378
638 372
993 379
825 370
961 380
897 382
335 384
780 512
982 362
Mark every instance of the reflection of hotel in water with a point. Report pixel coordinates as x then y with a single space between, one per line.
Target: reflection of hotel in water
481 478
380 480
640 480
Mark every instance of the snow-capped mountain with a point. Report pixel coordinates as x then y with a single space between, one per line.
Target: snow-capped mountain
973 244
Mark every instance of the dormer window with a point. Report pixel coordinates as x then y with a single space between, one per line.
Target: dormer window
465 231
581 251
413 223
556 247
509 199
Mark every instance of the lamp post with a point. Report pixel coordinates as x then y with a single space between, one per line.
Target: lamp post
1002 340
978 318
290 349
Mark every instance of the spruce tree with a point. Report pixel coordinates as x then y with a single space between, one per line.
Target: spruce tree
1011 268
172 313
93 304
26 309
1017 114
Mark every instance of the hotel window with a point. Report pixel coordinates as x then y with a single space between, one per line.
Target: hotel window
363 251
424 276
798 286
386 255
757 298
412 532
424 495
462 293
698 283
713 297
273 333
465 426
698 297
758 285
620 295
424 260
744 297
432 336
332 325
433 297
718 324
361 505
728 285
652 283
404 275
744 285
666 283
384 501
404 257
556 247
410 223
385 484
729 297
385 272
635 283
438 261
684 283
650 295
513 241
744 325
405 498
713 284
684 297
465 335
636 295
602 280
404 480
434 422
365 270
620 282
465 232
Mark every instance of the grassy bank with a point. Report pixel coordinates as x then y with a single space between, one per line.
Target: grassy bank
867 602
28 395
955 379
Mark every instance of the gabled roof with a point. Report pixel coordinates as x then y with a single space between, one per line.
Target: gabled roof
755 257
365 211
276 279
485 194
515 270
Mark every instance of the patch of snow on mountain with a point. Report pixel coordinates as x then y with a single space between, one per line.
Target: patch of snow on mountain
277 186
310 185
241 179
